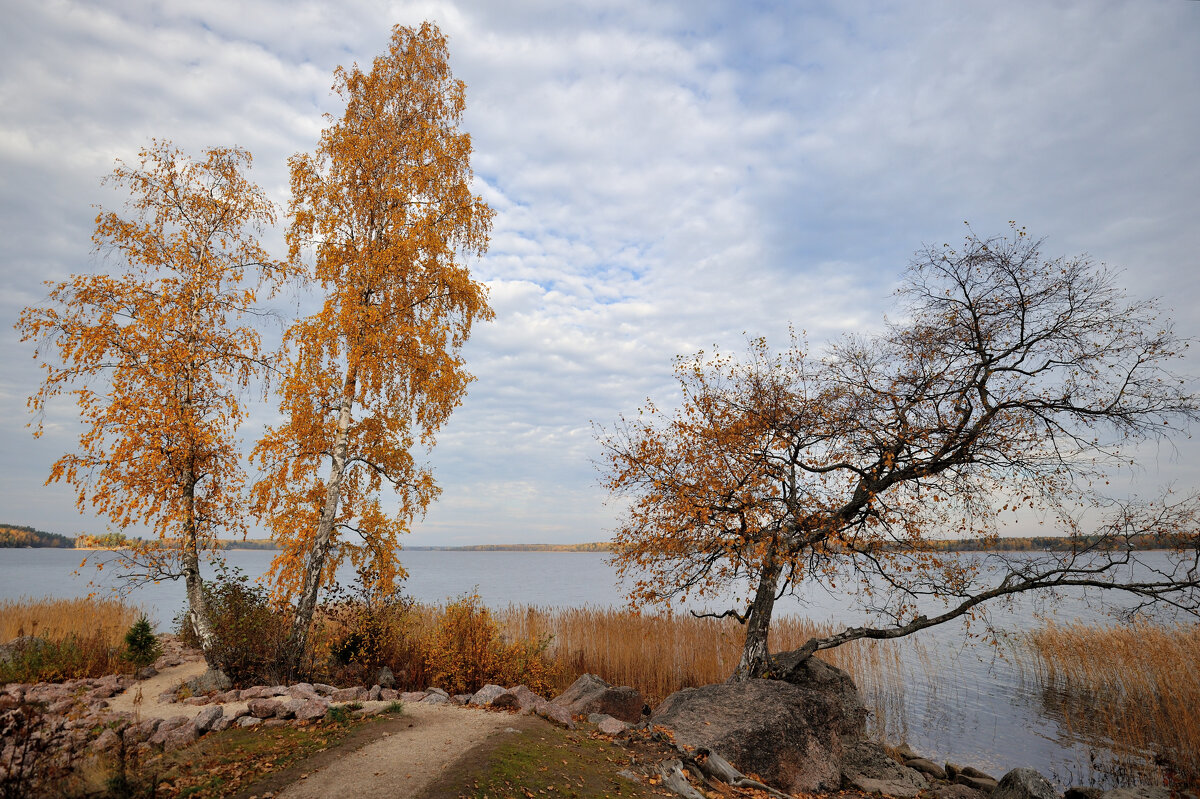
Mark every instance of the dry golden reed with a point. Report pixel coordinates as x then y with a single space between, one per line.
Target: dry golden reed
660 653
83 638
56 619
1137 685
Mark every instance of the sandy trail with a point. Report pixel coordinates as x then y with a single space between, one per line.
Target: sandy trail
142 697
402 763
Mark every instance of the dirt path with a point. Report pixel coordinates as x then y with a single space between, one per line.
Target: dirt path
412 751
405 760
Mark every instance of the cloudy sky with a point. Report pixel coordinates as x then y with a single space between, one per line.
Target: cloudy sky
666 176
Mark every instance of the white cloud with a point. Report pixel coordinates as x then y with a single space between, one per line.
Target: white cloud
666 176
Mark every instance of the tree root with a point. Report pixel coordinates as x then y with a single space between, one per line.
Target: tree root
707 765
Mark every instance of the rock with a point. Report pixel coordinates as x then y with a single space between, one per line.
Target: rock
984 784
302 690
927 767
413 696
249 721
974 772
434 699
1141 792
611 726
165 728
373 694
461 699
389 695
21 645
906 752
868 767
1082 792
505 701
105 691
262 708
555 713
956 791
386 678
626 774
346 695
211 681
206 718
177 739
106 741
1024 783
436 690
145 672
228 696
287 708
814 674
590 694
792 736
485 695
952 771
323 690
526 699
222 724
196 701
312 709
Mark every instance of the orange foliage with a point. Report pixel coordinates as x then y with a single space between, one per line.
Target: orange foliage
385 205
997 392
154 353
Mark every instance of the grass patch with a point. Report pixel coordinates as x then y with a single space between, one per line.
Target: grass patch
544 761
231 762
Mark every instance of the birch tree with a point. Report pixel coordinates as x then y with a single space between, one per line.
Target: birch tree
1016 383
155 354
385 206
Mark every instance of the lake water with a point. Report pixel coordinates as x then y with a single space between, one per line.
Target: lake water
963 701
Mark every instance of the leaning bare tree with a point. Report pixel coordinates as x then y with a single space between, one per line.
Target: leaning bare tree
1017 384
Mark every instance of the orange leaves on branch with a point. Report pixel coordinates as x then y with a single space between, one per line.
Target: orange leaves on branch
384 205
155 351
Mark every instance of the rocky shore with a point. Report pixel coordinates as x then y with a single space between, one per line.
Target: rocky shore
804 734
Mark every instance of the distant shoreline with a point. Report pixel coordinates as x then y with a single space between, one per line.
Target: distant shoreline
20 537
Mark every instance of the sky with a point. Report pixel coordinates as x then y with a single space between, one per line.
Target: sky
667 177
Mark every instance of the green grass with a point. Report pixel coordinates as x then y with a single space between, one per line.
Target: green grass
547 761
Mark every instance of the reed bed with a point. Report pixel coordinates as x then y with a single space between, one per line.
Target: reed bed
60 618
1137 686
83 637
661 653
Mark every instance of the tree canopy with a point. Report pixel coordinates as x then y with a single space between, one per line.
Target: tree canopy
1014 381
156 351
385 206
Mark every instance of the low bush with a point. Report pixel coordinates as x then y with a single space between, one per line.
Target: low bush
250 637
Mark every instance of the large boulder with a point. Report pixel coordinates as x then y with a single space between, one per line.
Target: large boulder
791 735
1024 783
590 694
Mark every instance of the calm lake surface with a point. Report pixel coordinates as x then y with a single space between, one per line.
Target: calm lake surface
962 700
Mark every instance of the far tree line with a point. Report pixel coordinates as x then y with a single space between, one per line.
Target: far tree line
14 536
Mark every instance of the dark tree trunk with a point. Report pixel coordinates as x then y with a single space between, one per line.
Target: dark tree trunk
755 659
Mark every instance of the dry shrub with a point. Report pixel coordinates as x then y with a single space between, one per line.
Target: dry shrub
65 638
1136 685
465 650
